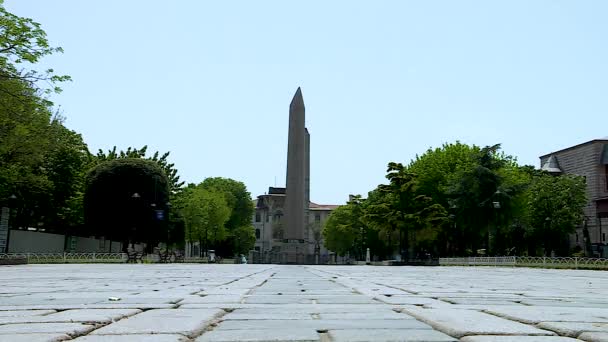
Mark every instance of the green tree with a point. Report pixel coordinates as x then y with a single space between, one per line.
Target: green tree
22 44
65 165
241 207
244 237
175 185
416 217
205 214
122 199
555 209
340 230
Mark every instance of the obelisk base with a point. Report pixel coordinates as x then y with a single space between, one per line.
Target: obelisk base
294 251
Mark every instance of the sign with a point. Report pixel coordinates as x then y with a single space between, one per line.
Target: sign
72 244
4 229
160 215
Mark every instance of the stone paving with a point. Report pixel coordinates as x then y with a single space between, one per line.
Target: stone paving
198 303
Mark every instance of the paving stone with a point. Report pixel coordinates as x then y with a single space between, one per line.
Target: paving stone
410 300
266 316
573 329
132 338
34 337
478 301
164 321
460 323
364 315
118 305
594 336
321 324
385 335
58 328
93 315
285 334
517 339
344 298
212 299
22 313
537 314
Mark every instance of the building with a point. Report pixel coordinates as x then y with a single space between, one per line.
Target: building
269 224
590 160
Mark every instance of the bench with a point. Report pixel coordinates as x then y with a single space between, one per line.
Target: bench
164 257
178 256
135 257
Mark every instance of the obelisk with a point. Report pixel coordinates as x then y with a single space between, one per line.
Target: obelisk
297 167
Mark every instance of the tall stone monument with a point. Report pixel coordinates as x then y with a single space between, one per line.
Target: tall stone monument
298 177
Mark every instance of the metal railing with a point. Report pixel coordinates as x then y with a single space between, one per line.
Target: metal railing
516 261
64 258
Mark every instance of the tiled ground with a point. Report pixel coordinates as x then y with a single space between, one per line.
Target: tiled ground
181 302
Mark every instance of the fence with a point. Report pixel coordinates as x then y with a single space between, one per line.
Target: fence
515 261
66 258
90 258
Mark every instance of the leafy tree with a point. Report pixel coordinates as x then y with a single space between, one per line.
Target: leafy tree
555 209
340 230
122 199
65 164
238 200
22 44
205 214
416 217
175 185
244 237
482 200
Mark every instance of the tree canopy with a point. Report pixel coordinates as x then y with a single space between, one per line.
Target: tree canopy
124 198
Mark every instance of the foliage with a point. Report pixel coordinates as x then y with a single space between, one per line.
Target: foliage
237 198
22 43
340 230
123 197
555 209
244 237
205 214
175 185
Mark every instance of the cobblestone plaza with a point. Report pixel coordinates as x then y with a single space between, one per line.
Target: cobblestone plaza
187 302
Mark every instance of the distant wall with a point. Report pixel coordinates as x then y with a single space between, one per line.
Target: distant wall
24 241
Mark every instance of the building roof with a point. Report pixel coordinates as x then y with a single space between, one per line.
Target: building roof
604 140
551 165
315 206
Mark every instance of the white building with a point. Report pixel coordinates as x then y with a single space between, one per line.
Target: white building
269 227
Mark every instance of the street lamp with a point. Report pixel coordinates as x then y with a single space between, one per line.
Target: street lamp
135 198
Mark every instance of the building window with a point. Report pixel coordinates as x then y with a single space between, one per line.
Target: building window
257 233
576 237
606 175
317 218
257 217
603 236
257 248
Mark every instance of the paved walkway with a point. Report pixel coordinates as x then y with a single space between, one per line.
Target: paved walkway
180 302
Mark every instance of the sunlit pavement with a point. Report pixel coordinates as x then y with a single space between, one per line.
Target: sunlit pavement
187 302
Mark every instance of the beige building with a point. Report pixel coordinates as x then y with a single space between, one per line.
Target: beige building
590 160
269 224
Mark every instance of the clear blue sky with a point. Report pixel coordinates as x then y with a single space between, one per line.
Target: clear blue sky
211 81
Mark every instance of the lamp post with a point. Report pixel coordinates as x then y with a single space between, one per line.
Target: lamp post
135 198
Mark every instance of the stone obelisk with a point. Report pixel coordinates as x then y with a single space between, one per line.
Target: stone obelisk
298 180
